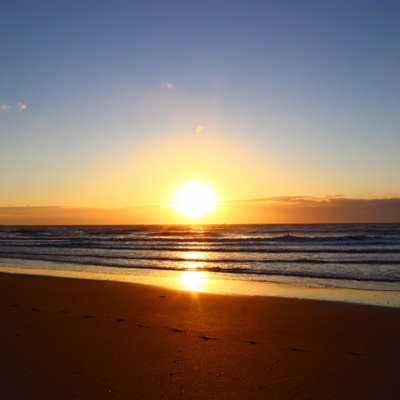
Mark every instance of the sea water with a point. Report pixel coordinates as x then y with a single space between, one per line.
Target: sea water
324 256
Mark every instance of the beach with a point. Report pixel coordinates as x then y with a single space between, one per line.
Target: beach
82 339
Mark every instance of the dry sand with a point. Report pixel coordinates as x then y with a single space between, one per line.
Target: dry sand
67 339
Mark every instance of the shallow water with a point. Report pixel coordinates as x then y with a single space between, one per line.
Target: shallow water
330 256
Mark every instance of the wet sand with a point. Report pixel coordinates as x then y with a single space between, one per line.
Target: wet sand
81 339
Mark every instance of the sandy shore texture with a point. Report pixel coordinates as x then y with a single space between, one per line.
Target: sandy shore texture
81 339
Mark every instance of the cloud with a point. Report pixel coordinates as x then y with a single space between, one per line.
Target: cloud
21 106
199 128
4 107
284 200
284 209
59 215
317 209
168 85
320 200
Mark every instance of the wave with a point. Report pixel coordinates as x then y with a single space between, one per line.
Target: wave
110 230
149 233
303 260
254 241
388 248
355 252
316 274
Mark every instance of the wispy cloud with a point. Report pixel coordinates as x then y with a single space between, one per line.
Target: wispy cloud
5 107
168 85
285 209
294 200
199 128
59 215
318 209
21 106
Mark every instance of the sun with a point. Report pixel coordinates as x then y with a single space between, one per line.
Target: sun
195 200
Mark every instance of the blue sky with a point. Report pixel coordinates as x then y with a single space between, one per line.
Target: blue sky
126 100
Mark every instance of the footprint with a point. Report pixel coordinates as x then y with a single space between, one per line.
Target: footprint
143 326
300 350
207 338
355 354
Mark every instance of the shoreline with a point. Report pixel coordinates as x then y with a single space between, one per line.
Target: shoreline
73 338
199 281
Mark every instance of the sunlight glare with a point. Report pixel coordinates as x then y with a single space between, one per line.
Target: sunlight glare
193 280
195 200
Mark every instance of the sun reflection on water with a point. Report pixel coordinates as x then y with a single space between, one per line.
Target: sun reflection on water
193 278
193 255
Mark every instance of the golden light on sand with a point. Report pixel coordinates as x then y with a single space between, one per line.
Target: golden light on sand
195 200
193 280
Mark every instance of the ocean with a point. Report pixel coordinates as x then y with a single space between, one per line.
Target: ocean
351 256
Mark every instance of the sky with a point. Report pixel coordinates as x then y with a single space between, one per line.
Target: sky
288 110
